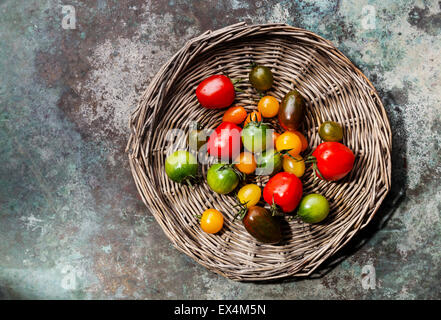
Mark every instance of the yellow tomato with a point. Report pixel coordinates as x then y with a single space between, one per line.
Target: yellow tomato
249 195
295 166
289 141
268 106
212 221
246 163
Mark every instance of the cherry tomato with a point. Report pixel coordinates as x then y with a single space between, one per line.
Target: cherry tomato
268 163
212 221
275 136
253 116
261 78
181 165
332 161
222 178
254 136
284 190
268 106
246 163
291 112
249 195
313 208
216 92
331 131
289 141
225 141
236 115
262 225
295 166
303 139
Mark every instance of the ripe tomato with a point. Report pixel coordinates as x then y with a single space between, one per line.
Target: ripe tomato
292 110
262 225
246 163
254 116
225 141
284 190
249 195
303 139
332 160
275 136
236 115
295 166
212 221
268 106
289 141
216 92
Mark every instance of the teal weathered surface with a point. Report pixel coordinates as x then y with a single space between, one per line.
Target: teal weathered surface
71 223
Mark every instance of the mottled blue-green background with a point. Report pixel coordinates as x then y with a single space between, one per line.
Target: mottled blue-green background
71 223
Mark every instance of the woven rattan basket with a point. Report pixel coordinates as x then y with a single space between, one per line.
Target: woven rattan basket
334 89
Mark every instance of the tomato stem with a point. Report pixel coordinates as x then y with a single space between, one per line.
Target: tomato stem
313 160
242 211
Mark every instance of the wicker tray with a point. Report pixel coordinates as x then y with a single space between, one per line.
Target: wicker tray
334 89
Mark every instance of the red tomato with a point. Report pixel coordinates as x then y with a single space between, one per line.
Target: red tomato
225 141
285 190
333 160
216 92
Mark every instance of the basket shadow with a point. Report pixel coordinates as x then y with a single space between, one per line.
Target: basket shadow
395 197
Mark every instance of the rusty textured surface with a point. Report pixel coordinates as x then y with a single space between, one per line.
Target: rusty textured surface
71 223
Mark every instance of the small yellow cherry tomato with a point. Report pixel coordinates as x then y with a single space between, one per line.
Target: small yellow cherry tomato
246 163
289 141
212 221
268 106
296 167
249 195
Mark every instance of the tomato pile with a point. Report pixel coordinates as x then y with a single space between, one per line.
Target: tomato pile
244 145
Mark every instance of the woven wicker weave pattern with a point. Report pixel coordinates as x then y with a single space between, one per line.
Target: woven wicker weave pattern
334 89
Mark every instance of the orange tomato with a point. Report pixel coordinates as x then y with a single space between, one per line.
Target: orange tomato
212 221
289 141
275 136
268 106
246 163
236 115
253 116
303 139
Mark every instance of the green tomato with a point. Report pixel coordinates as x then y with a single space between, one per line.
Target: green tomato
181 165
331 131
254 136
268 163
261 78
222 178
313 208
